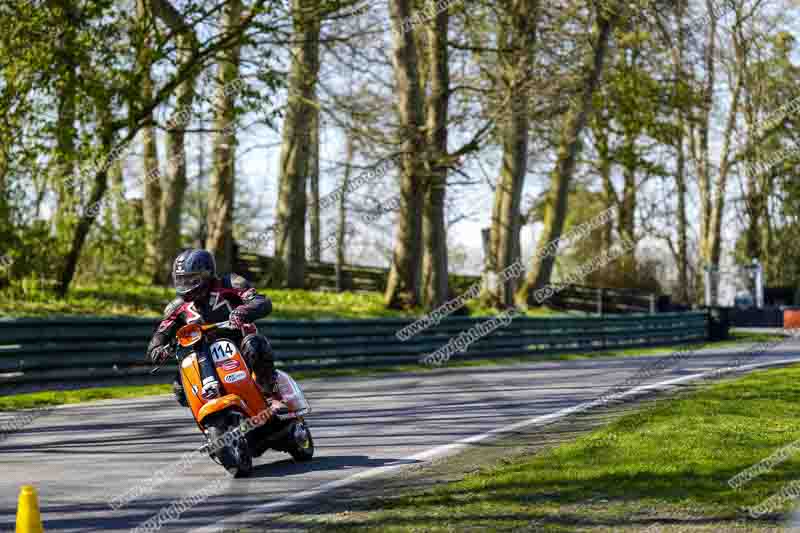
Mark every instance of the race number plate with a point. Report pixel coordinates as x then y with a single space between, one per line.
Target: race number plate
222 350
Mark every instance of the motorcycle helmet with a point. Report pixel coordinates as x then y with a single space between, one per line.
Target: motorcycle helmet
192 273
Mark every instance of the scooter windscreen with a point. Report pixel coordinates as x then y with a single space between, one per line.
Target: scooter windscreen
291 394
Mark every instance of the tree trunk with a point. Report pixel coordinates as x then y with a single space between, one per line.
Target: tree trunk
201 237
152 186
630 166
81 231
65 157
435 280
766 241
99 186
403 283
539 274
755 195
712 195
517 66
715 235
753 211
315 225
604 168
627 206
680 171
341 229
152 197
115 174
171 206
5 211
169 219
290 249
683 250
703 158
223 177
714 238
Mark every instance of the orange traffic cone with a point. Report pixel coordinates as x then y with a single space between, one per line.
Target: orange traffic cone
28 518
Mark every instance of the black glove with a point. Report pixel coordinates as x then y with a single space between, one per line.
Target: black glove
238 318
160 354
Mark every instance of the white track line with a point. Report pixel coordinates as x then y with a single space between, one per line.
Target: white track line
447 449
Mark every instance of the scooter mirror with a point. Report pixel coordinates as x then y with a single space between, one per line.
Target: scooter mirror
189 335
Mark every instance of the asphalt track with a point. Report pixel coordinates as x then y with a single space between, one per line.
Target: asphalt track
80 457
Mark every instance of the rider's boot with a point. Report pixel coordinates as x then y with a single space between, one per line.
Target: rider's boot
269 387
260 357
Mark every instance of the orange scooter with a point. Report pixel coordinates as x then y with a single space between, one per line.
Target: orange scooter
229 406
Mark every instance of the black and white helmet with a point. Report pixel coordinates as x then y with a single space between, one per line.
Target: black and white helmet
192 273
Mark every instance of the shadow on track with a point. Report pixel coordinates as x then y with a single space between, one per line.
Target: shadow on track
320 464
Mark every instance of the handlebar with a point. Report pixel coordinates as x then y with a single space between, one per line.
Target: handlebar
218 325
204 327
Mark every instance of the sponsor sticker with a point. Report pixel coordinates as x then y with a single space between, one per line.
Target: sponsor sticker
230 365
236 376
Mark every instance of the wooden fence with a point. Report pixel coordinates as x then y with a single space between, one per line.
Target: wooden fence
322 276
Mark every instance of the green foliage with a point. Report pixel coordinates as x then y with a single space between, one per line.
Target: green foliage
642 274
47 398
133 296
33 252
116 248
70 90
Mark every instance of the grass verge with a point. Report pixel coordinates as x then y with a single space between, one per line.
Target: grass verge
737 339
41 399
134 297
664 468
46 398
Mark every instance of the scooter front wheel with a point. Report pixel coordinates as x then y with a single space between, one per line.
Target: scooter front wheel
234 453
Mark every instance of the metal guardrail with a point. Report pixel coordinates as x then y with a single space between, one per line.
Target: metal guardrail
91 349
767 317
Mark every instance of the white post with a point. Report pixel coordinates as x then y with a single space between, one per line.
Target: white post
715 286
489 274
485 239
759 283
711 285
600 302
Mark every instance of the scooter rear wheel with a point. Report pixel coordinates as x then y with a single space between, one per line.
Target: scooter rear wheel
301 445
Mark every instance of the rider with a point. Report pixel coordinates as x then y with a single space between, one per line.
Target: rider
202 297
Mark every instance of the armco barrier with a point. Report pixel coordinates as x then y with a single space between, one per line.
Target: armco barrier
767 317
105 349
